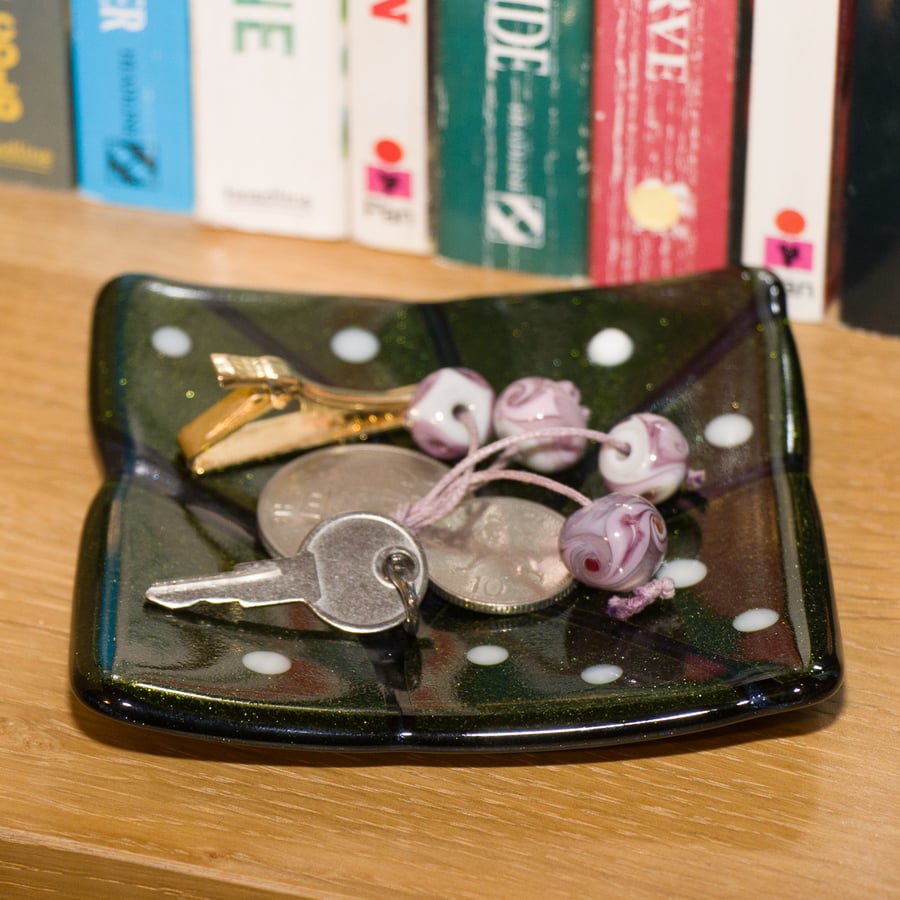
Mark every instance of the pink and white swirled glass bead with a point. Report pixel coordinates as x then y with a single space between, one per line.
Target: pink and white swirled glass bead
655 465
433 415
533 403
615 544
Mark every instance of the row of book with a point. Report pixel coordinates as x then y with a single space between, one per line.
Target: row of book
612 140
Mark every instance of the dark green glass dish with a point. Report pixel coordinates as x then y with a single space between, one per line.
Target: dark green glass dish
756 635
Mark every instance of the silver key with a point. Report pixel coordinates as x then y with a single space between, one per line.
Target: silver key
360 572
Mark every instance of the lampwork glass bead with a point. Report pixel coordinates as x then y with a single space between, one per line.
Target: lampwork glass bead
433 414
616 543
655 465
533 403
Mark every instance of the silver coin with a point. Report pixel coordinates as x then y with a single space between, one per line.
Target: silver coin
497 555
348 478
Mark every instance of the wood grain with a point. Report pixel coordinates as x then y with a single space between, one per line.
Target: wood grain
803 803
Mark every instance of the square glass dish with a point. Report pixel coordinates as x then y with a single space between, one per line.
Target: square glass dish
750 631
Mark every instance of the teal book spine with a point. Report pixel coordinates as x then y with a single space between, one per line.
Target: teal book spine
132 102
512 84
35 93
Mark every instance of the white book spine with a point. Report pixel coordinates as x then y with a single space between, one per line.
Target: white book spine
789 148
269 91
388 124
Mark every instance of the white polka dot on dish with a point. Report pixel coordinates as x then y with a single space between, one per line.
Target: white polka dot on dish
266 662
756 619
487 655
169 340
684 572
602 673
610 347
729 430
355 345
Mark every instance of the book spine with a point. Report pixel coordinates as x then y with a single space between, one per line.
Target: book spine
387 51
790 148
870 249
35 109
132 102
667 79
269 116
512 82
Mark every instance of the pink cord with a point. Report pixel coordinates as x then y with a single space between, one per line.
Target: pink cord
450 490
453 487
641 597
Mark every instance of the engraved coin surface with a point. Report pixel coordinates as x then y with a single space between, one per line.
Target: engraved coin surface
497 555
349 478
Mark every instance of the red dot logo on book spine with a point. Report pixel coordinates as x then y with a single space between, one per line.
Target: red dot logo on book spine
789 221
388 151
386 178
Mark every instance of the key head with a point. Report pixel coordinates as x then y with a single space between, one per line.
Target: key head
350 552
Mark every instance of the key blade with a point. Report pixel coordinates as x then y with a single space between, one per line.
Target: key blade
248 584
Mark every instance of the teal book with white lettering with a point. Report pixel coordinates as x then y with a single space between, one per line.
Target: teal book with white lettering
512 84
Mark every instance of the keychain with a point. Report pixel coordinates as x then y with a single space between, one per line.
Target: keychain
494 554
359 572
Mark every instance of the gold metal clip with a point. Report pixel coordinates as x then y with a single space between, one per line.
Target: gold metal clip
228 434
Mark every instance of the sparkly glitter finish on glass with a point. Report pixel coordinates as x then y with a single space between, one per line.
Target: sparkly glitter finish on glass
747 633
656 463
615 544
433 419
532 403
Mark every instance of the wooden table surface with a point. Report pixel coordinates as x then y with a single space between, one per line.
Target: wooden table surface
802 804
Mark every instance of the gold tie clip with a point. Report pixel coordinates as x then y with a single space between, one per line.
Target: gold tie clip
228 434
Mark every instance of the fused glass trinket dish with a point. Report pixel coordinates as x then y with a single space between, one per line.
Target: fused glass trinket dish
750 631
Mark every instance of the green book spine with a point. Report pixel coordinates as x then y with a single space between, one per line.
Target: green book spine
35 105
512 85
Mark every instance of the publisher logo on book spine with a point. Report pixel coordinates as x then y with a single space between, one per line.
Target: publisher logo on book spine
515 219
787 251
131 163
385 177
